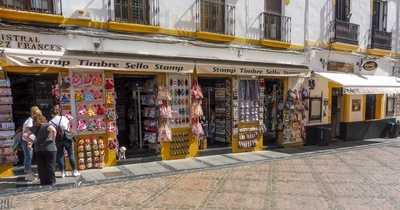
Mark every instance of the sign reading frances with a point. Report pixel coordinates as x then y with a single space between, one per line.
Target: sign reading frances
23 40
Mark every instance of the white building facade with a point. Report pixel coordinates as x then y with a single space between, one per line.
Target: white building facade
271 46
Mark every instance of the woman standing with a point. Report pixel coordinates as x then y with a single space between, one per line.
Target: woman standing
45 149
27 142
64 141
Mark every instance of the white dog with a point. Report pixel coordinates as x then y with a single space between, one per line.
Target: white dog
121 153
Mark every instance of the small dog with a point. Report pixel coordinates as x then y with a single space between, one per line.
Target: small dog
121 153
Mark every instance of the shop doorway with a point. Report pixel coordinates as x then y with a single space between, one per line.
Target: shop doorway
137 115
31 90
370 106
216 106
336 112
273 107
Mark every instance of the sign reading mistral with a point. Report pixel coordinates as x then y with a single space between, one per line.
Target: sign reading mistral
21 40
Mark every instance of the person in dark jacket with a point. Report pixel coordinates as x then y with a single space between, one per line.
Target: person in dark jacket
45 149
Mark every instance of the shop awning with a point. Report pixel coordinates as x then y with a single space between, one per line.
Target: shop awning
274 70
363 84
59 60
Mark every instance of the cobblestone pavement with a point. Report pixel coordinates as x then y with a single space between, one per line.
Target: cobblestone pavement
366 178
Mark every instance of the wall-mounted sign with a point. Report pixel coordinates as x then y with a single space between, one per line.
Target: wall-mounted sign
99 63
28 41
369 65
355 105
340 66
251 70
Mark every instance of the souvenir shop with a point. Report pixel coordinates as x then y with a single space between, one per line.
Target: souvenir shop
145 108
268 106
217 115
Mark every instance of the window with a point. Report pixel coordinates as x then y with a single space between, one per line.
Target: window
342 10
315 112
379 15
370 107
43 6
390 105
213 16
273 20
132 11
273 6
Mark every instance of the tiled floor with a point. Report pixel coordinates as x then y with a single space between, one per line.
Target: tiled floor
366 178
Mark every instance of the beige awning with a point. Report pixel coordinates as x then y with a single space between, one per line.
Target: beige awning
363 84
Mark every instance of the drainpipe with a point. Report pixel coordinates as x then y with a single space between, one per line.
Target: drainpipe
396 41
306 32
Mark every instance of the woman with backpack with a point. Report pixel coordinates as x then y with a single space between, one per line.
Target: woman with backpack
44 148
64 141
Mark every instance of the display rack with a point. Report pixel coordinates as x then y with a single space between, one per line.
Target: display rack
7 127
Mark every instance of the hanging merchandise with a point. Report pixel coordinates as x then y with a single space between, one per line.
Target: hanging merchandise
179 87
250 114
249 101
89 102
197 113
6 124
91 152
164 100
294 116
180 144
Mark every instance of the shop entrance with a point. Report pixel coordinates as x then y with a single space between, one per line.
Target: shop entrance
216 106
137 115
336 112
31 90
273 107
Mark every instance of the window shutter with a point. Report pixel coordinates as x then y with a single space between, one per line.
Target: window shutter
384 18
347 10
375 15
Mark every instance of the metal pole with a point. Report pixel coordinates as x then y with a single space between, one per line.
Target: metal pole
140 119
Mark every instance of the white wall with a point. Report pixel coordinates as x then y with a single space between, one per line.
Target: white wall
94 9
296 9
180 14
358 115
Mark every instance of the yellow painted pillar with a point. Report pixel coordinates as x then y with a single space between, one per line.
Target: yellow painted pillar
363 106
6 170
380 106
346 108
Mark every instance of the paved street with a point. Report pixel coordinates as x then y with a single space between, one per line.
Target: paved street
363 178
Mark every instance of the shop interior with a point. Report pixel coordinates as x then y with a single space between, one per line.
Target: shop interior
273 107
216 107
336 112
31 90
137 115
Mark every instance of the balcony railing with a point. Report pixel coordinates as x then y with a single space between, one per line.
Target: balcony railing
215 16
41 6
145 12
275 27
342 31
381 40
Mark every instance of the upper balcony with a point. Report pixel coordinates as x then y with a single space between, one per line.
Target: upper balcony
53 7
276 28
344 32
381 40
215 20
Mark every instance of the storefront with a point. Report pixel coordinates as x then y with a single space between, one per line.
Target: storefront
360 106
263 112
143 105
